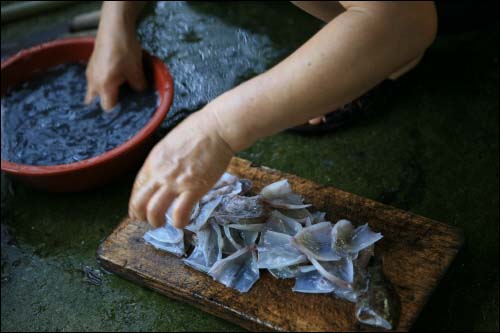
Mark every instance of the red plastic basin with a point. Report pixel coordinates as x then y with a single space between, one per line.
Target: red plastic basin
100 169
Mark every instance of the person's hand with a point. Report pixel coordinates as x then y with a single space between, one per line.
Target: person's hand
117 58
179 170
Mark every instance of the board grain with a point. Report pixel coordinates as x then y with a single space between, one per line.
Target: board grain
416 252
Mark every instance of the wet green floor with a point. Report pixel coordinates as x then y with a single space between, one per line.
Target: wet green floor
432 150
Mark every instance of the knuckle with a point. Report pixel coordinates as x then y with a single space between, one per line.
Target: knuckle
104 80
139 182
104 84
136 212
188 176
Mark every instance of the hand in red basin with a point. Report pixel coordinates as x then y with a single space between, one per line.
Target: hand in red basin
117 56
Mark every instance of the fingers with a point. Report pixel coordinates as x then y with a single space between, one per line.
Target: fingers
182 210
109 96
107 91
137 80
106 87
158 205
90 95
151 202
140 198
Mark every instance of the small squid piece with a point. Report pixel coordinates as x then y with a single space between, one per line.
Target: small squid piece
208 249
159 238
238 271
276 250
347 241
379 305
281 223
204 215
315 241
280 195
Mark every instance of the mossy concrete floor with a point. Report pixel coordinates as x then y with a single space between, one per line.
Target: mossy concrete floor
432 150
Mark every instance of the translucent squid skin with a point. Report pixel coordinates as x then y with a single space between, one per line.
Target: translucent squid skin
281 223
204 214
175 248
280 195
349 241
238 271
379 304
208 249
235 234
315 241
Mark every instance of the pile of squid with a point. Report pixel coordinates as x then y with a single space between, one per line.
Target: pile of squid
232 235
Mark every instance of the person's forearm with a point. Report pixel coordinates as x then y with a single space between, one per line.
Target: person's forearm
120 15
350 55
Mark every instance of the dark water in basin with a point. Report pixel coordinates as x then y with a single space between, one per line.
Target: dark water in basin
44 121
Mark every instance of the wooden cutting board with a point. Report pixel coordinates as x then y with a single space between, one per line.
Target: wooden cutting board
416 252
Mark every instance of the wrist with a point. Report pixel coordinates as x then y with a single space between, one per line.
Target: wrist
119 16
203 122
237 135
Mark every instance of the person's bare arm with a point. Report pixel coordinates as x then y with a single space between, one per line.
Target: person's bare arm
117 56
351 54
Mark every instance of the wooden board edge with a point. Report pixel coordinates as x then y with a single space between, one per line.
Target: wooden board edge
450 261
219 310
253 324
215 309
